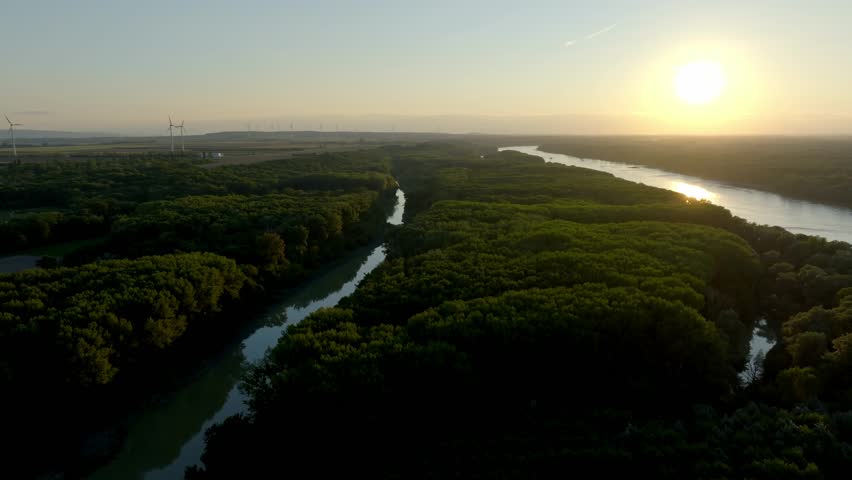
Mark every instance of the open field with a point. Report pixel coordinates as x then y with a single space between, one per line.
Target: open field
235 147
238 158
219 142
61 249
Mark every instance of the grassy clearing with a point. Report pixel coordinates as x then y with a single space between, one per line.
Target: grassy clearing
62 249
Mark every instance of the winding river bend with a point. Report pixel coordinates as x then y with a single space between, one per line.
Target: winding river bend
166 438
798 216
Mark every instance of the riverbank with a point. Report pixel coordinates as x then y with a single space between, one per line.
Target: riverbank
815 169
18 263
575 317
797 216
795 268
86 424
165 437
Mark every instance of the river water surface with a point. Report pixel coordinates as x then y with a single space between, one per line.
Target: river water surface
165 438
798 216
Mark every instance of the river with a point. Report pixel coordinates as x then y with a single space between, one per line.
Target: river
165 438
798 216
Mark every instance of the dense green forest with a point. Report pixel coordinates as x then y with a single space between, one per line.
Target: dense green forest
536 320
529 318
54 202
176 258
816 169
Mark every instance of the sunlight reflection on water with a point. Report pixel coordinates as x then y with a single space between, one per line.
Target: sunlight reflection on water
797 216
693 191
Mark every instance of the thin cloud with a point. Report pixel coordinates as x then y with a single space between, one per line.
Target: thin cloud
590 36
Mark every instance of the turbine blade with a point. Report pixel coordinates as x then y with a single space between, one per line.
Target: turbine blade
7 119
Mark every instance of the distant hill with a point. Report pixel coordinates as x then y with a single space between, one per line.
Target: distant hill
52 134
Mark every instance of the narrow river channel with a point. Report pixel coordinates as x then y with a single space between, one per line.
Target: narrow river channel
167 437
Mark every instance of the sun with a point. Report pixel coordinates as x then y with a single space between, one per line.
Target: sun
700 82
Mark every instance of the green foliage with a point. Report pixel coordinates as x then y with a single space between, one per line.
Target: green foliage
102 334
533 318
60 201
313 224
86 324
819 343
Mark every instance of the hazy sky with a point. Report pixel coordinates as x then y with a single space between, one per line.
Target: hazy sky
502 66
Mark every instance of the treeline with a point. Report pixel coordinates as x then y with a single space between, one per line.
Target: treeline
534 320
44 228
314 226
816 169
36 185
50 203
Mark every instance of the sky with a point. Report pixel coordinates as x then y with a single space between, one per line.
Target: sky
457 66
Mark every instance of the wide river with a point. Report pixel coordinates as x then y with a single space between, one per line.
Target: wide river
799 216
165 438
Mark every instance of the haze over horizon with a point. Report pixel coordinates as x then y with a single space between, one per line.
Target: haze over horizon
456 67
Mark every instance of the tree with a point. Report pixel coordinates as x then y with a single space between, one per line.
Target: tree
808 348
271 250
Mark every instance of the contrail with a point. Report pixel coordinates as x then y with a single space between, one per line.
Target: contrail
600 32
590 36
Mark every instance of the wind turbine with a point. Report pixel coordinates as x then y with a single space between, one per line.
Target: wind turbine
171 133
12 134
182 150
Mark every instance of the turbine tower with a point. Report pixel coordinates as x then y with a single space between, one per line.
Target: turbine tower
182 150
12 134
171 133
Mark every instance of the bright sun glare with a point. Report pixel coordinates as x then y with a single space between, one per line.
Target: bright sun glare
700 82
693 191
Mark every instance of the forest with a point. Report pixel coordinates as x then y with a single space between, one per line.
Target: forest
535 320
58 201
164 260
529 318
815 169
